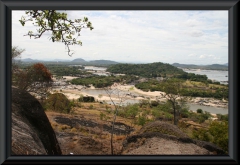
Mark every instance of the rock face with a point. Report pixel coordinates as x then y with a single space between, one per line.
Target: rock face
160 138
32 133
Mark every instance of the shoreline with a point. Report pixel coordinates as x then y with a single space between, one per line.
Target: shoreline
75 91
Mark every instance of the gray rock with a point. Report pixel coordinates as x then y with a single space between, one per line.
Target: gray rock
32 133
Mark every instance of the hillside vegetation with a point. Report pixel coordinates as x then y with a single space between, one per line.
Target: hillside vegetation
189 88
157 69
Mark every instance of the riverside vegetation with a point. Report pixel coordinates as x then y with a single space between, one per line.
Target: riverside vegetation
196 125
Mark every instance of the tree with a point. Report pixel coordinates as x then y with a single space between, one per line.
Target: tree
16 53
58 102
121 97
63 29
172 88
36 78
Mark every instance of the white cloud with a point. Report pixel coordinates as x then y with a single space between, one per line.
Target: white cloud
167 36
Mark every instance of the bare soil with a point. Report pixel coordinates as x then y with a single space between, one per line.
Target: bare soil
84 133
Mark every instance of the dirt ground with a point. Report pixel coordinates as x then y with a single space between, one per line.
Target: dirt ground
84 133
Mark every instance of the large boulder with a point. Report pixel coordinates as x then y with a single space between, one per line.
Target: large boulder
32 133
160 138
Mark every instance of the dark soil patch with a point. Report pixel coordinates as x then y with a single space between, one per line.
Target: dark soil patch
119 128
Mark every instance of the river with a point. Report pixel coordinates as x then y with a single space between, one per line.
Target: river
217 75
193 107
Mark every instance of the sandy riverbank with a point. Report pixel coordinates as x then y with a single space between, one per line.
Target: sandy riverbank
75 91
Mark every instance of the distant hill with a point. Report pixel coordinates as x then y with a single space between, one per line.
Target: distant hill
79 60
103 62
157 69
207 67
30 60
93 62
75 61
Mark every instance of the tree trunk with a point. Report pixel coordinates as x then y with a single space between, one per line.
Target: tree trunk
174 116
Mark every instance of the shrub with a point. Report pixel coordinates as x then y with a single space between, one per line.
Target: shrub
156 113
58 102
217 134
91 106
200 117
219 131
86 99
144 103
154 103
184 113
222 117
199 111
141 120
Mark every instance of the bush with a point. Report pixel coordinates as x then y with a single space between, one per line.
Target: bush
222 117
144 103
154 103
58 102
141 120
219 131
199 111
217 134
86 99
184 113
200 117
91 106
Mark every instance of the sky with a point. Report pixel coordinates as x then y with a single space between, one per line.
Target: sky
186 37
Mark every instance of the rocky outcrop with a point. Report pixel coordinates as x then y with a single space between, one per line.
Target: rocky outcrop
32 133
160 138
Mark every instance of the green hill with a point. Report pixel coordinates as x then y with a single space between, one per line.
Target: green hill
157 69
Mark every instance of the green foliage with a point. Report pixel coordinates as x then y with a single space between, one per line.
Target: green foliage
165 107
217 134
91 106
62 29
219 131
35 78
184 112
141 120
184 90
199 111
144 103
193 77
201 134
130 111
58 102
102 81
104 117
222 117
86 99
200 117
154 103
156 113
157 69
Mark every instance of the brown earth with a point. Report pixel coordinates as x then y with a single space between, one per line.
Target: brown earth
83 133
